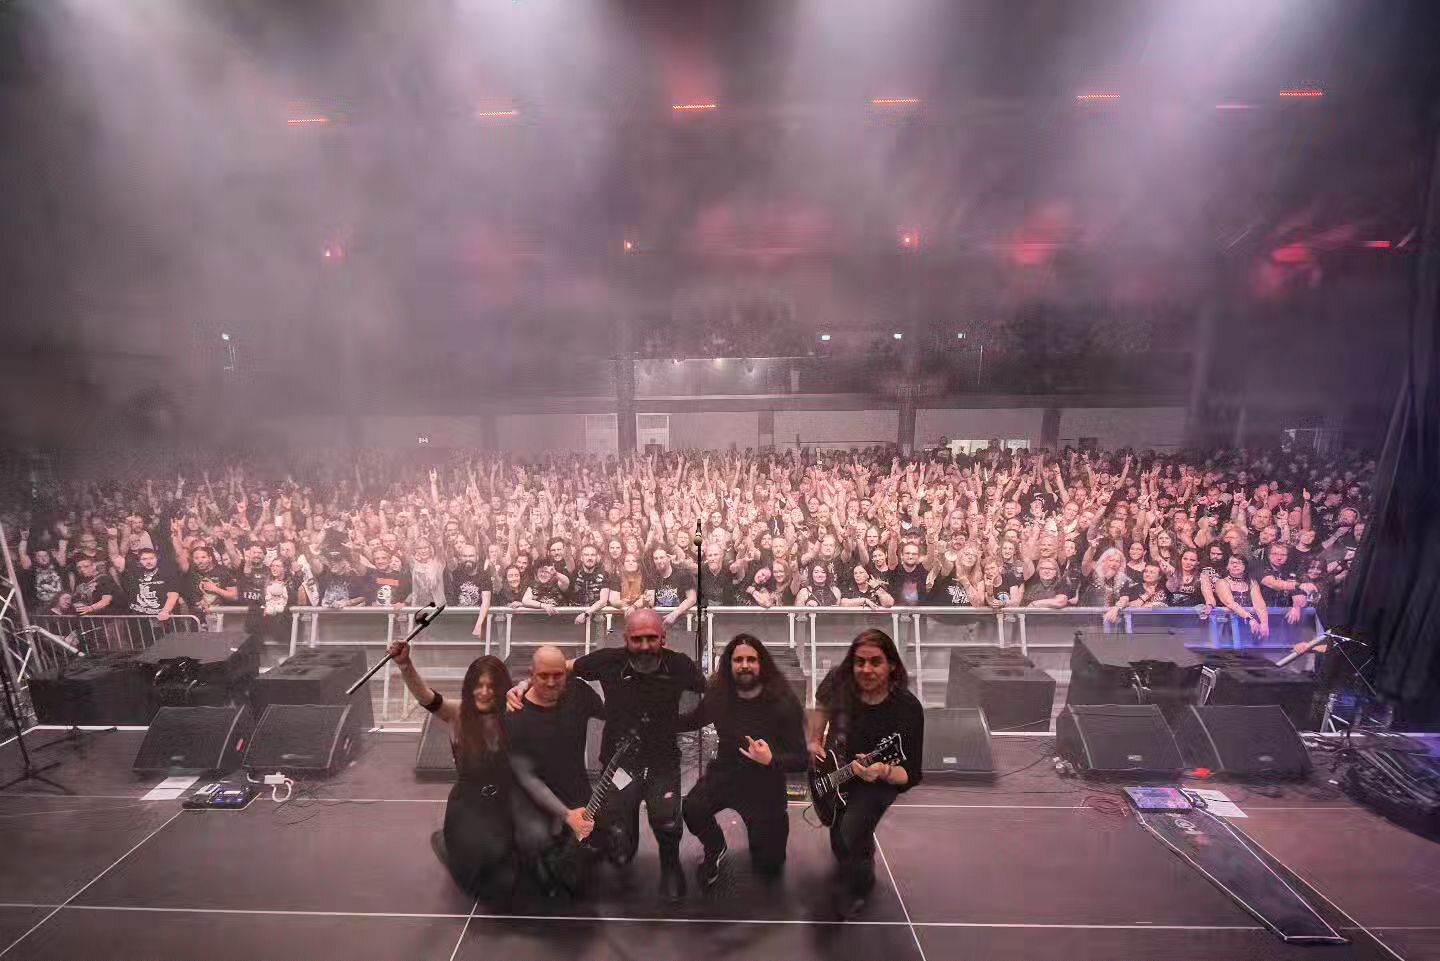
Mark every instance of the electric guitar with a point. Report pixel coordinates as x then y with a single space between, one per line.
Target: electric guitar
566 865
829 776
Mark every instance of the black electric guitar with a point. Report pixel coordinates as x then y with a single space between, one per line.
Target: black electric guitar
567 864
829 775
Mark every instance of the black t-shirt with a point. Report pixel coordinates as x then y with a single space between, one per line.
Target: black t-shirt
464 586
553 739
1005 590
951 591
1136 595
900 713
383 588
585 586
718 588
670 590
908 587
1278 597
643 704
252 587
780 722
337 588
1038 590
1095 594
43 585
221 576
97 587
548 593
1186 593
72 564
145 591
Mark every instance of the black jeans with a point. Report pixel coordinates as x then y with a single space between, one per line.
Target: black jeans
658 786
852 835
760 804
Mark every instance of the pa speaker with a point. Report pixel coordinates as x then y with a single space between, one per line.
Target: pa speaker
1117 739
1014 695
307 740
316 676
1262 684
435 760
957 741
1243 741
197 740
99 689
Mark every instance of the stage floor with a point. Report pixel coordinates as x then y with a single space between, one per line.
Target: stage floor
1032 866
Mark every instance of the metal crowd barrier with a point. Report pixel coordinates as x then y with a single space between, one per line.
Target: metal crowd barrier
53 636
818 635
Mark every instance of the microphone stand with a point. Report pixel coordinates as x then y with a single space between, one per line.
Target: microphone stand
29 771
423 619
702 607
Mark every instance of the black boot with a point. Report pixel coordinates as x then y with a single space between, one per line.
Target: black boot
672 877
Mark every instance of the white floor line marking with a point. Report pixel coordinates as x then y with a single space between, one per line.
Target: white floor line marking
1358 926
34 814
468 919
1133 926
901 898
92 881
265 912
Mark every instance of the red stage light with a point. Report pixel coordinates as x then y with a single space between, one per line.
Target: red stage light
296 121
692 106
1292 254
629 246
1302 93
1378 244
1088 97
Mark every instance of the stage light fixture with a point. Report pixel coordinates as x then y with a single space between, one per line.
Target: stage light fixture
1093 97
692 106
491 114
960 336
1378 244
299 121
629 246
825 338
1234 106
899 336
1302 93
895 101
225 337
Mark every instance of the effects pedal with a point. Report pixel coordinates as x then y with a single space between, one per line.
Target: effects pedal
220 796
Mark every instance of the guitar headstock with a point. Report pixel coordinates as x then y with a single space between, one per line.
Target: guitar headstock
626 745
890 750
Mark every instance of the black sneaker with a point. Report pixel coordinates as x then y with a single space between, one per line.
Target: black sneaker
437 845
709 870
848 906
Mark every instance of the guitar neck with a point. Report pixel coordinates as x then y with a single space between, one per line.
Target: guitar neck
602 787
845 772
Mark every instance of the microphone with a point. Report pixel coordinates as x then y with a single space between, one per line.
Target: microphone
699 532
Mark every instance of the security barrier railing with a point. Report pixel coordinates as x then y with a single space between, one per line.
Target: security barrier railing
817 635
54 639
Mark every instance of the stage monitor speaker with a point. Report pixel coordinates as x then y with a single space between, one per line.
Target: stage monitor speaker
1114 739
98 689
1242 740
195 740
1259 684
316 676
305 740
1013 695
202 667
434 761
957 741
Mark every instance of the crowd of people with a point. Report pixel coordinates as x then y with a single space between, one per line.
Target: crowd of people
1243 531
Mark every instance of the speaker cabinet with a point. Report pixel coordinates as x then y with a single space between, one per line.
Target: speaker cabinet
1014 695
1262 684
304 740
195 740
957 741
1238 740
100 689
316 676
434 760
1115 739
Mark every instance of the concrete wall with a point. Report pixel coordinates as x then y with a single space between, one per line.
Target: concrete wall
714 430
540 433
857 428
1160 428
978 423
443 431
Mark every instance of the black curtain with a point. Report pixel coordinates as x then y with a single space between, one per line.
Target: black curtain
1392 596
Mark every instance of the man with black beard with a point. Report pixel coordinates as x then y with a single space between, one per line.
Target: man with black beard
646 687
467 584
761 732
205 583
148 589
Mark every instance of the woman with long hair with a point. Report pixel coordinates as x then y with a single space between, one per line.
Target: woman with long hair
632 583
820 592
477 843
863 700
